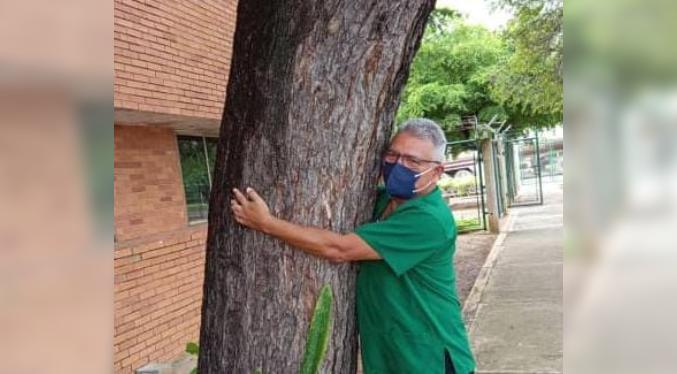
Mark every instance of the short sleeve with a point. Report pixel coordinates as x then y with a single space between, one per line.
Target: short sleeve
405 238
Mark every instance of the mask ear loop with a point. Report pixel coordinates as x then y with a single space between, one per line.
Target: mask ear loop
425 172
427 185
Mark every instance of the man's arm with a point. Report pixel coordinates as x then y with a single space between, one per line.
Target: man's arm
253 212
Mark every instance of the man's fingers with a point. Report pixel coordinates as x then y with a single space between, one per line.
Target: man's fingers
239 196
241 220
237 215
254 195
235 207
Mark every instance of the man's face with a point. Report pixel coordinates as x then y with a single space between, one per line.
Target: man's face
417 155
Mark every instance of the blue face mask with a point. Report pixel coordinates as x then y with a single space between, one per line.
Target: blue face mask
401 181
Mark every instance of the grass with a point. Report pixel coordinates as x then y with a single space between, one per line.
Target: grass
468 224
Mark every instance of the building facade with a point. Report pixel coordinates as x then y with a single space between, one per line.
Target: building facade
171 67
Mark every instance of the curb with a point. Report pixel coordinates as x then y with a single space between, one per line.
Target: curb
472 302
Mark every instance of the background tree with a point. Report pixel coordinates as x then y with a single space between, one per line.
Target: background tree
311 98
466 70
528 82
440 21
451 74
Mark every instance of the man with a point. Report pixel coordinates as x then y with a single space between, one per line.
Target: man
409 316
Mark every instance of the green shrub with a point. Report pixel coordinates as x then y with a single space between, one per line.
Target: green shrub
468 224
445 183
458 186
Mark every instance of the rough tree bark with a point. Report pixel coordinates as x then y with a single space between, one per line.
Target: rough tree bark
312 93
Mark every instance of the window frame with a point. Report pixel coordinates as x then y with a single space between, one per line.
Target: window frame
209 169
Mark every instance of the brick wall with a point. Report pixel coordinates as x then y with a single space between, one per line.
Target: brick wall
159 259
158 294
173 56
171 62
149 195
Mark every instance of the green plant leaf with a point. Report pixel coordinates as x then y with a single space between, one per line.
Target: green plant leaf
318 332
192 348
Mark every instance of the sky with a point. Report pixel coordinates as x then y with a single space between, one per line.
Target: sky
477 12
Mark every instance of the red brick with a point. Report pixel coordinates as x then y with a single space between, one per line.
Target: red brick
165 302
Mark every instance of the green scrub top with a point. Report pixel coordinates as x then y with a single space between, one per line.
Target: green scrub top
407 307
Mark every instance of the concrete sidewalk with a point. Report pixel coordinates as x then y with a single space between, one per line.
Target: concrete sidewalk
515 314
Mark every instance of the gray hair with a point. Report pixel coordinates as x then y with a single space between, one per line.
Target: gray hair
425 129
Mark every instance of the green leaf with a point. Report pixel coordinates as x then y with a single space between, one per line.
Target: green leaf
318 332
192 348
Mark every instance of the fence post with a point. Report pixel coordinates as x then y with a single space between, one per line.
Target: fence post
500 148
490 183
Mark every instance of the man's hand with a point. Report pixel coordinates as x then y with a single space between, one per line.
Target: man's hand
250 210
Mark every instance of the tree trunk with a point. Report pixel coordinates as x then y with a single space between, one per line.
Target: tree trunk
311 98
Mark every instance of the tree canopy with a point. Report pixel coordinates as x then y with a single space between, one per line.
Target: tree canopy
466 70
530 78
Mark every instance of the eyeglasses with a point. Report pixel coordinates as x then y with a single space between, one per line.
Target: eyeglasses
411 162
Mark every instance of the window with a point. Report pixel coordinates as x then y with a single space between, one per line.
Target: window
197 164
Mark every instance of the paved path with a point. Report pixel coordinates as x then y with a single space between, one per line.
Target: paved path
516 322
